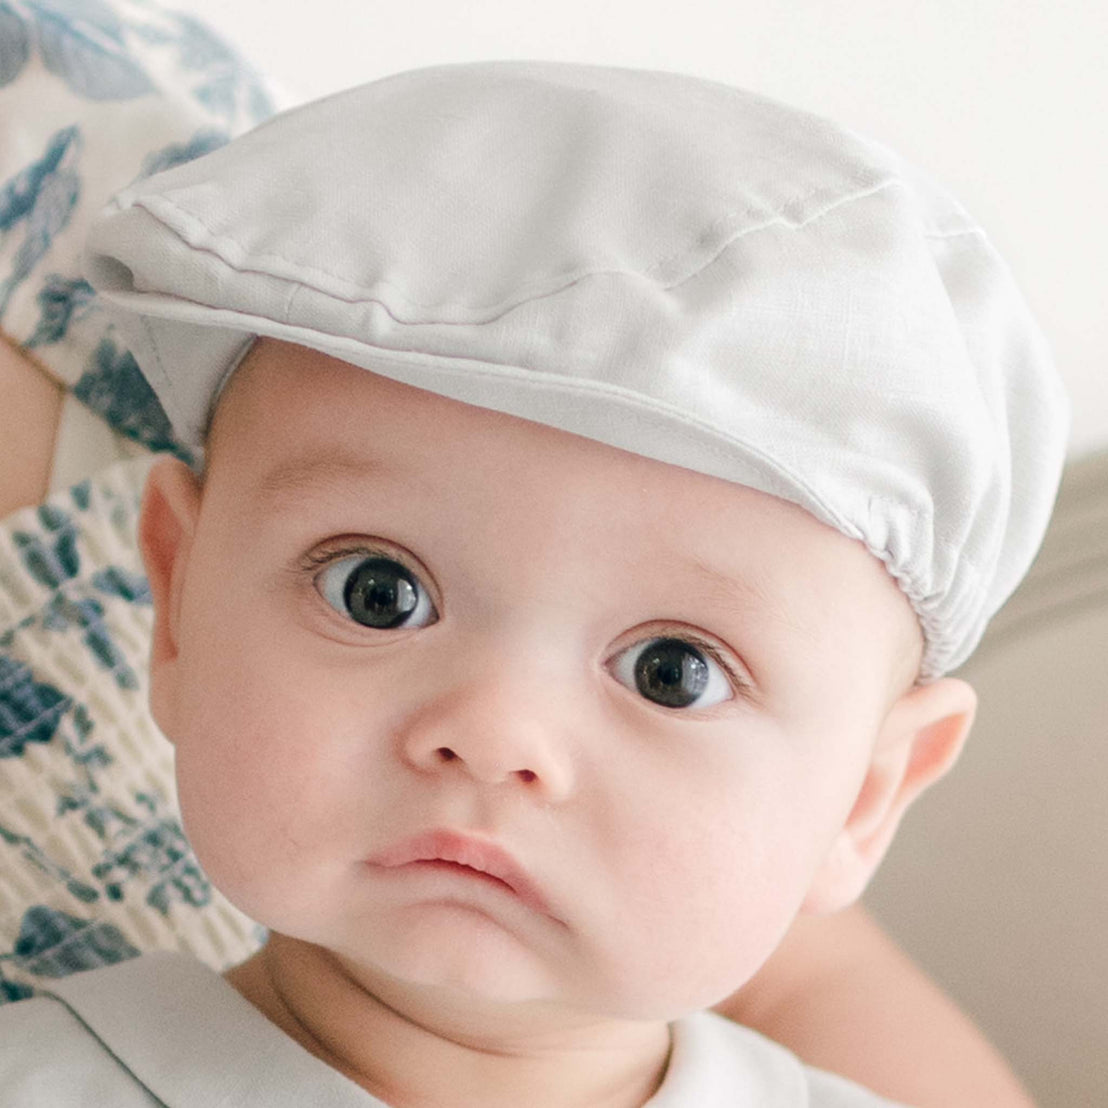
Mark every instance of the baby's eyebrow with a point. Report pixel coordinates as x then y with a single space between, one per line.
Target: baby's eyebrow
304 473
742 594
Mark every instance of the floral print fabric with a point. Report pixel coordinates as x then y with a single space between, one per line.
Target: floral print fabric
95 94
94 866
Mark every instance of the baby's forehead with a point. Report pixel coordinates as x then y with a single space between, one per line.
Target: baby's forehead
318 417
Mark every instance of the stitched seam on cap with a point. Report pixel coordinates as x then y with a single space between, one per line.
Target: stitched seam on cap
252 262
979 231
777 218
167 381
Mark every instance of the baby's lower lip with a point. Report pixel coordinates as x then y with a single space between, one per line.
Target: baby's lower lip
462 870
456 869
461 855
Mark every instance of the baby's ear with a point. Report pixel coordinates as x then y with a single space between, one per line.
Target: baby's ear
167 522
920 740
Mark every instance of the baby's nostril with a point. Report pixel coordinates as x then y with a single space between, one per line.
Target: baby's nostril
445 754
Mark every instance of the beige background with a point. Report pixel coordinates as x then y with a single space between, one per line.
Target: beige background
997 881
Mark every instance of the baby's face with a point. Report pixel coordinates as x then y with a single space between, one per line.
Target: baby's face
402 616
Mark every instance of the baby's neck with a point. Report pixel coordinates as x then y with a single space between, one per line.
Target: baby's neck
408 1063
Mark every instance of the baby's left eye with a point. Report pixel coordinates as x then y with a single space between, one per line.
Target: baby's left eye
673 673
376 591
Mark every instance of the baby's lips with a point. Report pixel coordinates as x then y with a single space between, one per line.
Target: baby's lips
444 845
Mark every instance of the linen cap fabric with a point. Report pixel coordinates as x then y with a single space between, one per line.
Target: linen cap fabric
663 263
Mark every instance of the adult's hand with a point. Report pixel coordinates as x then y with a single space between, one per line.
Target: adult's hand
30 408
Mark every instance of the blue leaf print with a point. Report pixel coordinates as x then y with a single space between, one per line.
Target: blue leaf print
154 35
82 42
199 47
13 990
29 710
82 493
53 207
177 153
59 300
55 944
102 817
15 45
261 105
159 849
17 197
218 94
97 14
113 386
188 885
88 614
75 887
82 751
116 581
51 557
44 194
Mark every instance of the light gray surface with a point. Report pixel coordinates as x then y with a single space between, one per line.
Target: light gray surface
998 882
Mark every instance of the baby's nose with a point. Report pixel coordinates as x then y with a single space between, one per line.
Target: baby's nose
495 735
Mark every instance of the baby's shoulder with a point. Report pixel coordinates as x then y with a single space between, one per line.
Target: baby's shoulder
718 1062
50 1057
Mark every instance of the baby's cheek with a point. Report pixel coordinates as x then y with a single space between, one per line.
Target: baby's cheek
259 856
723 898
241 788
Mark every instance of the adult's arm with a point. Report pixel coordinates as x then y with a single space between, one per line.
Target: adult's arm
30 408
841 995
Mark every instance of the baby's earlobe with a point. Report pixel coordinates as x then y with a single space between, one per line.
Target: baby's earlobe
922 737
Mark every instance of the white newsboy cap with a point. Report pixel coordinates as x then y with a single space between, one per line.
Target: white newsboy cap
663 263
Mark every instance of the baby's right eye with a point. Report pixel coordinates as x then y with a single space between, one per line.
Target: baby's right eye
673 673
376 591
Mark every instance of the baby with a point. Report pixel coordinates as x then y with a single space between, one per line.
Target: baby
601 470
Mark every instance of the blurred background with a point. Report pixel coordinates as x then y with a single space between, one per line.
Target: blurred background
997 883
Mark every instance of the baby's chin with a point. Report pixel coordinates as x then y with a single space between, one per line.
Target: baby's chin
472 1002
459 951
510 992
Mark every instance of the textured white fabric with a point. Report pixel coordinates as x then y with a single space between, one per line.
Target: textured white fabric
143 1025
665 264
94 864
86 444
